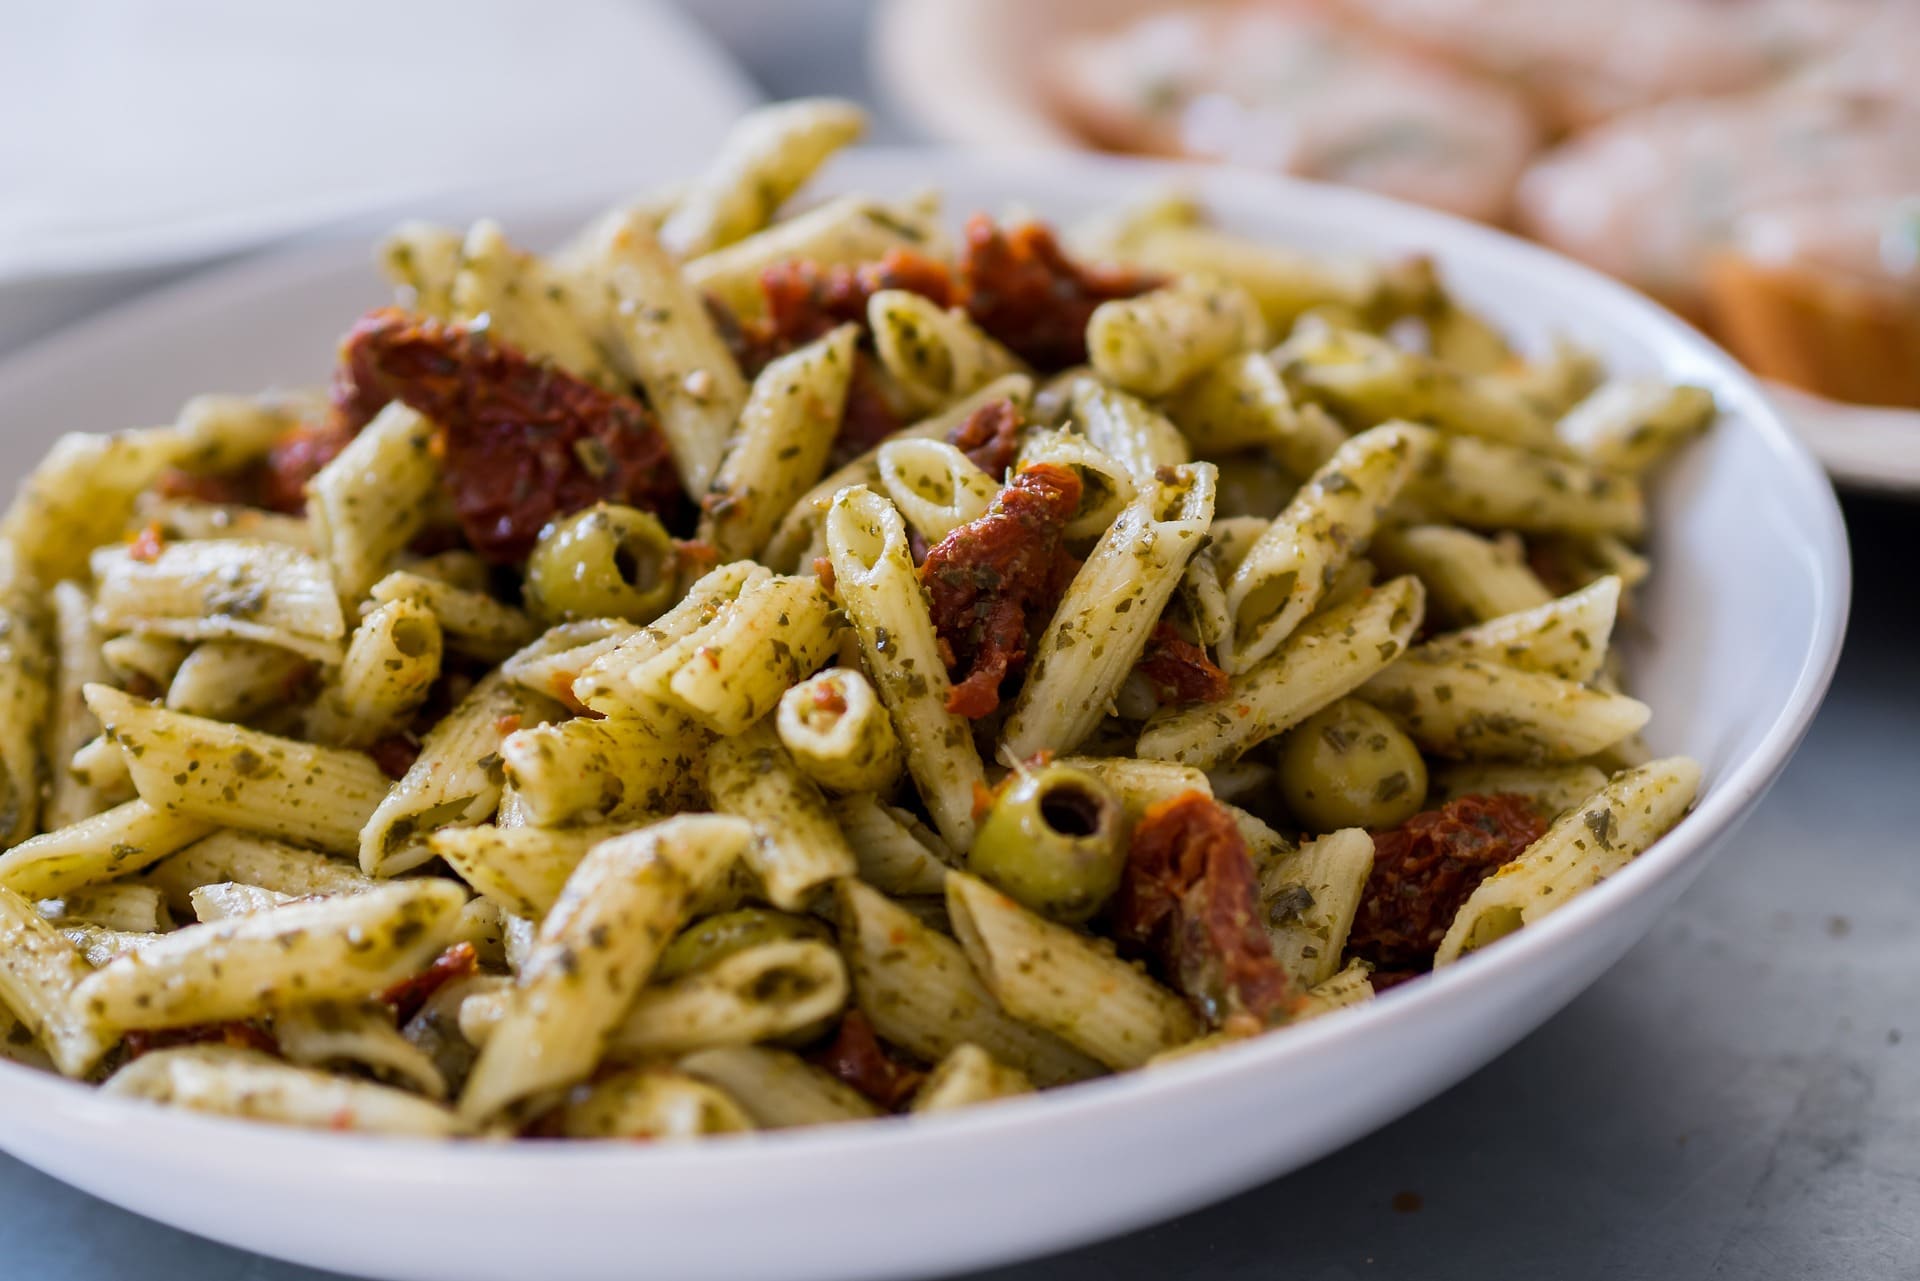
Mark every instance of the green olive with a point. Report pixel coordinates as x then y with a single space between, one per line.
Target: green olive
605 562
708 942
1348 765
1053 842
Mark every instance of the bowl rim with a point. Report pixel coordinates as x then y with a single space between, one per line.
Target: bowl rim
1679 853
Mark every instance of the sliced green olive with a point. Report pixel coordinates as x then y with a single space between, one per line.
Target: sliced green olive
1348 765
605 562
1053 842
714 939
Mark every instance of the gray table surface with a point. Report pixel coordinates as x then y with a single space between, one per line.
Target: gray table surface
1739 1098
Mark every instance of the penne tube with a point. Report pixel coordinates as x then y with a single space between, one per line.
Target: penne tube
99 848
797 847
799 529
1141 784
1100 629
625 678
1284 282
1309 898
917 988
359 1035
473 623
1631 425
26 700
778 1089
237 680
100 767
144 660
80 497
934 355
1475 710
875 580
617 770
1154 343
779 444
226 1081
420 260
242 857
1064 981
1487 485
1284 576
435 1029
456 780
224 775
225 900
1332 655
134 909
592 954
1351 986
838 733
185 520
367 504
1127 429
1468 578
78 662
936 487
522 869
1368 380
1106 485
1584 846
848 229
257 964
233 590
653 1104
1567 637
761 993
101 946
663 337
526 304
225 433
551 664
966 1077
764 159
894 852
39 973
393 659
1243 403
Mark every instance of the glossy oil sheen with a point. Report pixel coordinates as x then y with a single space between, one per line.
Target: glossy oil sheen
1742 626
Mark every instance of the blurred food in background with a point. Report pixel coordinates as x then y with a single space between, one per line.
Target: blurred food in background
1754 164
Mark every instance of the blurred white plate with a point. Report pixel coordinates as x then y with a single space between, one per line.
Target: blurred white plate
966 71
1742 625
1861 446
137 138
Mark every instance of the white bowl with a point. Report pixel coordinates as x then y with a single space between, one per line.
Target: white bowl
1743 621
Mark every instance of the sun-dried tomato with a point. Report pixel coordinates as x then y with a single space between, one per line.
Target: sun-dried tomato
991 577
1179 670
409 994
989 436
524 442
395 754
147 545
239 1036
1189 896
856 1056
226 487
1023 289
1424 870
297 458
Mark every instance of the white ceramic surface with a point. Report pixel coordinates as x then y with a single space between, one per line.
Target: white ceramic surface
1743 621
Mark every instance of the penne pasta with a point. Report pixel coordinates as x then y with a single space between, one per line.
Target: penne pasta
966 1077
875 580
223 775
1063 981
934 355
77 663
392 661
242 857
367 504
894 852
99 848
1567 637
603 771
763 993
1584 846
848 229
1101 627
653 1104
797 847
472 622
1243 403
764 160
1630 426
1469 579
1476 710
246 1083
40 971
919 991
1153 344
259 963
1309 898
230 589
1332 655
936 487
592 953
237 680
777 1089
838 733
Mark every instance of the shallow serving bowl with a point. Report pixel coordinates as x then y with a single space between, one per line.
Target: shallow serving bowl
1740 630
